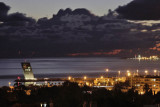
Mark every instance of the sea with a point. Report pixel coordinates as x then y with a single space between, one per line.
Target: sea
62 67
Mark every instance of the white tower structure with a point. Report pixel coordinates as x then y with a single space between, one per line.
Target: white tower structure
27 71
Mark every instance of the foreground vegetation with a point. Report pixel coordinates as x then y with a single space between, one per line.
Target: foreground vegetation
71 95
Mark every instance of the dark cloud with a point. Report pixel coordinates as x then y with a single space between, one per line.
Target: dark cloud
82 11
56 19
19 19
62 12
3 11
140 10
14 18
78 11
76 36
73 31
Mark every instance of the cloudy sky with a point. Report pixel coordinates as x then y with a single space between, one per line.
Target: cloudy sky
46 8
79 28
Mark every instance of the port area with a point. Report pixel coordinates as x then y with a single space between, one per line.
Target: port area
55 81
138 82
48 90
139 57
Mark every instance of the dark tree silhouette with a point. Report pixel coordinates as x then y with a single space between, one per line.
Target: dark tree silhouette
146 88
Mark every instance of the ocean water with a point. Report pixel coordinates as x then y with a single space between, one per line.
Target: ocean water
10 69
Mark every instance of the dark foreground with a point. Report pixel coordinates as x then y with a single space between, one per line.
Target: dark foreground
71 95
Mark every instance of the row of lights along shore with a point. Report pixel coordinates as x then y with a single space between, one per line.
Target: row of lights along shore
156 73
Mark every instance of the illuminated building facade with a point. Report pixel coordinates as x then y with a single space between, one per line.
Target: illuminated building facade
153 82
27 70
28 74
108 83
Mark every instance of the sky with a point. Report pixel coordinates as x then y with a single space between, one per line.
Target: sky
135 29
46 8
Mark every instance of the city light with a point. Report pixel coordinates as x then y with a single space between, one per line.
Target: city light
101 77
128 71
107 70
9 84
146 72
139 57
119 73
129 74
155 72
137 71
85 77
69 78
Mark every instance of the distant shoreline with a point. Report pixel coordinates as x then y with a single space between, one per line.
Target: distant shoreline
64 57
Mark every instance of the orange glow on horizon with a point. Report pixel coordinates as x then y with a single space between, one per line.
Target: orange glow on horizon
114 52
157 47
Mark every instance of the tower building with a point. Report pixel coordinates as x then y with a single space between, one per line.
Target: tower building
27 70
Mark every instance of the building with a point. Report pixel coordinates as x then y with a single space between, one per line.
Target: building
109 82
30 80
27 71
28 74
138 82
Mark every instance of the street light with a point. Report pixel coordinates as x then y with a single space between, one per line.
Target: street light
146 72
107 70
9 84
101 77
137 71
119 73
155 72
69 78
85 77
129 74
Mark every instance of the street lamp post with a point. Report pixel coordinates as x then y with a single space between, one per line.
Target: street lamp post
129 75
146 72
9 84
85 77
137 72
155 72
69 78
101 77
119 73
107 70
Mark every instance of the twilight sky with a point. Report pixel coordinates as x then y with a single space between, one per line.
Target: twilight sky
77 32
46 8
